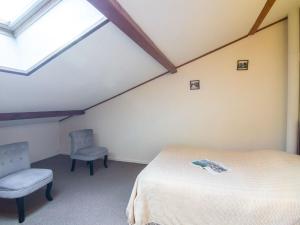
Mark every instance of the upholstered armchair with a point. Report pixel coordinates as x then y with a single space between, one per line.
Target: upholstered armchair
83 148
17 179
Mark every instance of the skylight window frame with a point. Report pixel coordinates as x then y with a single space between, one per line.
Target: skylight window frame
28 17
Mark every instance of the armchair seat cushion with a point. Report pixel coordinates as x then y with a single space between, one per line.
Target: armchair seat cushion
24 182
90 154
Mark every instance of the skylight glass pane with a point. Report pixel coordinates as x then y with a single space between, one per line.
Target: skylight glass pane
12 10
62 25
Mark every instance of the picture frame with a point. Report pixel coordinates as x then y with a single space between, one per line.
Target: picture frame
194 84
242 64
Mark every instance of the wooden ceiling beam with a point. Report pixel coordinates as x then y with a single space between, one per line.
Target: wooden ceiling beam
113 11
35 115
262 16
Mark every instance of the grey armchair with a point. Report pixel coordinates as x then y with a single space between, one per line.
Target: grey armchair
17 179
83 148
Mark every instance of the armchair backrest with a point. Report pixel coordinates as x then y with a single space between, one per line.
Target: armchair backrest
14 157
81 139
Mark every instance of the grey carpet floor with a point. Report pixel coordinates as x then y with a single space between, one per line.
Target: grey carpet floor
79 199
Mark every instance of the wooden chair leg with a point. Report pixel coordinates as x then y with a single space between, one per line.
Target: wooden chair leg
91 168
20 208
73 165
105 161
48 191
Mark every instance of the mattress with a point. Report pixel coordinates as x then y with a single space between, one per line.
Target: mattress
260 187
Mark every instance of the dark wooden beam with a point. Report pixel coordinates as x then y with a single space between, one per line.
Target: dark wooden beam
262 16
117 15
34 115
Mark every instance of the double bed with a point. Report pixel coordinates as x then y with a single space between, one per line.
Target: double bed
261 187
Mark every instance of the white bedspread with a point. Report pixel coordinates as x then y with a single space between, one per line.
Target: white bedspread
262 188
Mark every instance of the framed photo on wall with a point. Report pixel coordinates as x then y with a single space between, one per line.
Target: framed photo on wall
194 84
242 64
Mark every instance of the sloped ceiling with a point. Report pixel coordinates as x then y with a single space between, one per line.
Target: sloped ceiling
280 10
186 29
108 62
98 67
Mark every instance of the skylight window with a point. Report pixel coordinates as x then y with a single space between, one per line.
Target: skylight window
11 10
14 13
33 32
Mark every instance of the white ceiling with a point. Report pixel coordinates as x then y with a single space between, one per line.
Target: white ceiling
108 62
184 30
280 10
102 65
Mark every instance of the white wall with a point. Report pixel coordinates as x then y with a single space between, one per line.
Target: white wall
233 109
43 138
293 80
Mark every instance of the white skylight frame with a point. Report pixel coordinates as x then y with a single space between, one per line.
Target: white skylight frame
37 9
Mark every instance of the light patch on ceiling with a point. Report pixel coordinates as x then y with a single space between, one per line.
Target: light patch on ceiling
12 10
37 41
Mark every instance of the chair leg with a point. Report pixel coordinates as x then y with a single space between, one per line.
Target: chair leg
105 161
48 191
20 208
73 165
91 168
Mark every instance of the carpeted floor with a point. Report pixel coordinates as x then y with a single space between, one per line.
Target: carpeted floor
79 199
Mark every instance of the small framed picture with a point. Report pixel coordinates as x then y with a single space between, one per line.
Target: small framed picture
194 84
242 64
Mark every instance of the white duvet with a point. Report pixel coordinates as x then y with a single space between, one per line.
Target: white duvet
261 188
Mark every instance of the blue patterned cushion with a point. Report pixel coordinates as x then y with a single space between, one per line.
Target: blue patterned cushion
13 158
90 154
81 139
24 182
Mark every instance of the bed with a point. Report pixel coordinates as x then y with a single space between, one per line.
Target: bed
261 187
